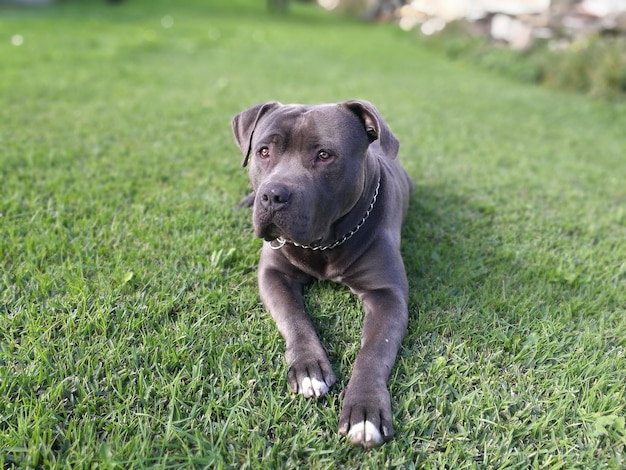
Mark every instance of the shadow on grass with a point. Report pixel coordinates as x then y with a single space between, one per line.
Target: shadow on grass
473 265
440 246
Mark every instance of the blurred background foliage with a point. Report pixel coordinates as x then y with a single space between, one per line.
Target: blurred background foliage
595 66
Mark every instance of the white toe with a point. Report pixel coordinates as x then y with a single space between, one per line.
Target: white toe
313 387
365 434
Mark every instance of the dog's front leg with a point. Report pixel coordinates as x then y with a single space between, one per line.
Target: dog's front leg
366 413
281 287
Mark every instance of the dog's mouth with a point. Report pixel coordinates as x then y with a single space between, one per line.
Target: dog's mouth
270 224
269 232
272 231
293 225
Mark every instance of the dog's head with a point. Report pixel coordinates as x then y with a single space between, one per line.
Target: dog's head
307 164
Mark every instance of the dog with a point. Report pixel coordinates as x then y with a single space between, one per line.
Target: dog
329 199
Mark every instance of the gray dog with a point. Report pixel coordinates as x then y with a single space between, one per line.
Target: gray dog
329 200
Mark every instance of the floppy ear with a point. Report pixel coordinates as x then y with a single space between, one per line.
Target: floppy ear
376 128
244 124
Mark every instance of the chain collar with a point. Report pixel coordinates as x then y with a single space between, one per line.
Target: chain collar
280 241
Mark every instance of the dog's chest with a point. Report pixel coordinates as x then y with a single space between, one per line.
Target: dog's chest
323 265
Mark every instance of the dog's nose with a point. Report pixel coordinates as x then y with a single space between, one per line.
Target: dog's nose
275 196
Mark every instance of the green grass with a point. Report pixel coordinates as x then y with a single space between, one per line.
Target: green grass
131 334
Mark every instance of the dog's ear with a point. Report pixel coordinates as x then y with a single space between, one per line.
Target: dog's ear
244 124
377 130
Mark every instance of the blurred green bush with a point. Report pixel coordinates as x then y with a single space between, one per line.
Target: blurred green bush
595 66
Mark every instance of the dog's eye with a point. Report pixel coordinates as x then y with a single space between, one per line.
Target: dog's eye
323 155
264 152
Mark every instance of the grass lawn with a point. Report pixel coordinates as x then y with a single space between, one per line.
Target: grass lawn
131 333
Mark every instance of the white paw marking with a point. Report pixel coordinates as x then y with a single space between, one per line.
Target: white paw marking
313 387
365 434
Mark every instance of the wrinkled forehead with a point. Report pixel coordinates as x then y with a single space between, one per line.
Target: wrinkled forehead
324 123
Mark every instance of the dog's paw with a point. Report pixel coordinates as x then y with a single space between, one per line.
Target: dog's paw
366 417
311 379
